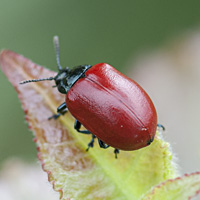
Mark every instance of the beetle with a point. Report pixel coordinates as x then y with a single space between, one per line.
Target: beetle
112 107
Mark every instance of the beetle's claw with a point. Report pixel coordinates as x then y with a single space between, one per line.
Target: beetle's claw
90 144
116 151
55 116
161 126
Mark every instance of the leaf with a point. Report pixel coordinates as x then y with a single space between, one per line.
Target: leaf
179 188
75 173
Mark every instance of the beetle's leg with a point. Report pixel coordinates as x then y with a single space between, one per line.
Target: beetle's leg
91 143
105 146
161 126
116 151
61 110
102 144
77 126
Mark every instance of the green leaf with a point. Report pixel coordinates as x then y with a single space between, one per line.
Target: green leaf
180 188
75 173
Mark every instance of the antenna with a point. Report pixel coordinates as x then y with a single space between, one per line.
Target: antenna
56 44
37 80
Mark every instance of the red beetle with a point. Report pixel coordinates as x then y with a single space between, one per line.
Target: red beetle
111 106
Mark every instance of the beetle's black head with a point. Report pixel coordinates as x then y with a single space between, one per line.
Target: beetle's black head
60 80
65 78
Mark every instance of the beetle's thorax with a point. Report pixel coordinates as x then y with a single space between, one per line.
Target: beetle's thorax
66 78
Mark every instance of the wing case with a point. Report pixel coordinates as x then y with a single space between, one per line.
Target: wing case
113 107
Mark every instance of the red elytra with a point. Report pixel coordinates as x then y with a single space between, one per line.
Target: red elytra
113 107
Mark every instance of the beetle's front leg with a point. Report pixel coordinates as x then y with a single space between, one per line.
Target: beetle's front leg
61 110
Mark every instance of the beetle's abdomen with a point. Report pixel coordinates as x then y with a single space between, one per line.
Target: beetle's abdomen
113 107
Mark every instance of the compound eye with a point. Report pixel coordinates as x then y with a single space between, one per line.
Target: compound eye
61 89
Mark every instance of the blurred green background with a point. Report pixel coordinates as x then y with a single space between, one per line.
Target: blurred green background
90 32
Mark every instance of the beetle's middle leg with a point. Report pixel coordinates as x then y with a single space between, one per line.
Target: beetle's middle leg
91 143
77 126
